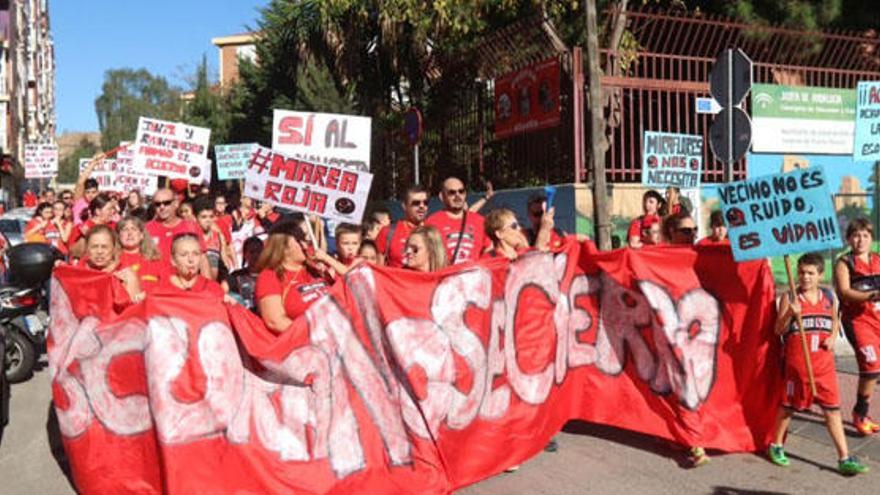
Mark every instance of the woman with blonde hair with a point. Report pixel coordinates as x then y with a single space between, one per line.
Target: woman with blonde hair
424 251
102 254
138 250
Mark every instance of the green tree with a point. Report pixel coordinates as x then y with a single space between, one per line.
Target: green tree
127 95
68 169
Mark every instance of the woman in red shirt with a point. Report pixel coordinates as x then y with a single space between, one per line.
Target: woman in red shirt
35 230
287 284
186 257
508 240
102 254
138 251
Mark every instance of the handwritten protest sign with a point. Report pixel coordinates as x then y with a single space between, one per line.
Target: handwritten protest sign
325 138
331 192
105 173
672 160
780 214
233 159
40 161
867 141
172 149
130 178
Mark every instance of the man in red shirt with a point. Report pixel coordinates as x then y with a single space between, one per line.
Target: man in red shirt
462 231
166 225
391 240
542 220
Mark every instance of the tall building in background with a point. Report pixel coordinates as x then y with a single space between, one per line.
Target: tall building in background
27 80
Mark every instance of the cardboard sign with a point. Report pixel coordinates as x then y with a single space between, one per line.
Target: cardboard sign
105 173
672 160
780 214
528 99
331 192
172 149
789 119
233 159
330 139
867 141
130 178
40 161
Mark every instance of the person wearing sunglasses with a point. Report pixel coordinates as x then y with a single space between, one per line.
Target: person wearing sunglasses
680 229
462 230
503 230
391 240
543 234
167 224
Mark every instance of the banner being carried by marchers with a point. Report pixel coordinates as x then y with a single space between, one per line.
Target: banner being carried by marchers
404 382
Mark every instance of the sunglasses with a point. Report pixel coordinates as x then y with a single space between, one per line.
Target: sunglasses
461 191
419 203
686 230
513 225
159 204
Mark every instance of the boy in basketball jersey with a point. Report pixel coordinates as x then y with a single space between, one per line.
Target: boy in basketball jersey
817 307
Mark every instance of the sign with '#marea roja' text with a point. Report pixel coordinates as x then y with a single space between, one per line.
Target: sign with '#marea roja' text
332 192
330 139
172 149
780 214
672 160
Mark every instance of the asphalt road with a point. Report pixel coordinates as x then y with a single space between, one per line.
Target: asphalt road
591 459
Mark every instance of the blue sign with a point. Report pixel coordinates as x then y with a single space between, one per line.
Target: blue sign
780 214
866 147
672 160
233 159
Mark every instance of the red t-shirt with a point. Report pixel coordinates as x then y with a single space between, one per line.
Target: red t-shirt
162 235
38 236
707 241
150 272
224 223
637 226
302 289
203 285
473 237
29 199
394 252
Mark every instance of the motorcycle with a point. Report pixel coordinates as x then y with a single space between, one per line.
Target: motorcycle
4 388
23 312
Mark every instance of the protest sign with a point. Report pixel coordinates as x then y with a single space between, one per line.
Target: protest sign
867 141
40 161
172 149
403 382
131 178
788 119
326 138
780 214
672 160
233 159
329 191
105 173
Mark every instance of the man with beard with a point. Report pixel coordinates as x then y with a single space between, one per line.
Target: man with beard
391 240
462 231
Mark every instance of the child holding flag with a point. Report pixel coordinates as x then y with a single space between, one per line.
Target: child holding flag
817 309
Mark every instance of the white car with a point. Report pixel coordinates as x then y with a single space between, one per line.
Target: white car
13 222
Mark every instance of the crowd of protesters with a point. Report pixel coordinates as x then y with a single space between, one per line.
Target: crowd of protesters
185 240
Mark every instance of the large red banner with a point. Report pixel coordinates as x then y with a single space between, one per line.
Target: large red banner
400 382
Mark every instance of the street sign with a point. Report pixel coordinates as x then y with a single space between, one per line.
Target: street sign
412 125
730 136
731 77
707 105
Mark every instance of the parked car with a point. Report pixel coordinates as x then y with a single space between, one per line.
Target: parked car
13 222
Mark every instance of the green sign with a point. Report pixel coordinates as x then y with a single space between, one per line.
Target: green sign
802 119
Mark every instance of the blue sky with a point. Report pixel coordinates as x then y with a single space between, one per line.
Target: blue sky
168 38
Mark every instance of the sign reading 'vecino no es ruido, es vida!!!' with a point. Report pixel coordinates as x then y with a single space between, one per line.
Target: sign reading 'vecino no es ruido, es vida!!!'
780 214
672 160
789 119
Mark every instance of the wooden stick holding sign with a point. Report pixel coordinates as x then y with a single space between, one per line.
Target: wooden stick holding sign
800 328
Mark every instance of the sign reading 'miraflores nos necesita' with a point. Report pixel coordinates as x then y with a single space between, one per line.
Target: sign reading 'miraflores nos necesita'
672 160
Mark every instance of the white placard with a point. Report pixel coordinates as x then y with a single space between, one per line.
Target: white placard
326 138
328 191
172 149
40 161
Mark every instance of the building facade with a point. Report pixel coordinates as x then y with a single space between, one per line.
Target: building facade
27 80
233 48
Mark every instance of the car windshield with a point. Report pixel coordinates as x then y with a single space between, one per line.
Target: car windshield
9 226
